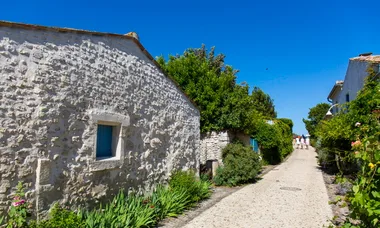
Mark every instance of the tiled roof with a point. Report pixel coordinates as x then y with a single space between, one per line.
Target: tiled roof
369 58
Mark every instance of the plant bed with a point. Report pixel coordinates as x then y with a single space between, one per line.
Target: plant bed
184 191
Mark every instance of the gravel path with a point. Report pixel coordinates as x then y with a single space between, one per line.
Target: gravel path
291 195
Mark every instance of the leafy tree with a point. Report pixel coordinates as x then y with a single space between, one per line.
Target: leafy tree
263 103
316 115
211 84
288 122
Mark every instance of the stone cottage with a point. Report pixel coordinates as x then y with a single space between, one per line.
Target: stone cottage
84 114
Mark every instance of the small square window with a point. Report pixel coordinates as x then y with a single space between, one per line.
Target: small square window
107 141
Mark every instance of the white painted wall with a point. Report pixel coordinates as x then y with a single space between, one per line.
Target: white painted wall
212 144
353 81
55 87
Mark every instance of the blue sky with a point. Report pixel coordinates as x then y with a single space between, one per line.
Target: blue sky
304 44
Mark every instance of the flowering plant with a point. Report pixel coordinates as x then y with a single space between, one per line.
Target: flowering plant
365 196
17 216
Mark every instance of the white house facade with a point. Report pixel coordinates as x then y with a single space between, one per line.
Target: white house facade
347 90
84 114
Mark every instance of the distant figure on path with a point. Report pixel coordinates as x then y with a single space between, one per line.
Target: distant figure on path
298 142
307 142
302 141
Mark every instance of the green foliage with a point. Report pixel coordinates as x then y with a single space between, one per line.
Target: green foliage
288 122
60 218
18 214
186 180
211 84
353 137
241 165
170 202
263 103
335 136
122 211
316 115
313 142
275 140
133 210
365 197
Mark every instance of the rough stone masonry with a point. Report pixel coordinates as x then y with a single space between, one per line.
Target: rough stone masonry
57 86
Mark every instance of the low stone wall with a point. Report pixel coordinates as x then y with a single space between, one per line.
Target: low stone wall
212 144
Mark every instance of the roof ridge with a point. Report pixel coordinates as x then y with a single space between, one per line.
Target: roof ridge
133 38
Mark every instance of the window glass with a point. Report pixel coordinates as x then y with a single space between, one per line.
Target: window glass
104 141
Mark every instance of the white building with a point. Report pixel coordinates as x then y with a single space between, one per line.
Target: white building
85 114
347 90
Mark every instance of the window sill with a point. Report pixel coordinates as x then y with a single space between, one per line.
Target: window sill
105 163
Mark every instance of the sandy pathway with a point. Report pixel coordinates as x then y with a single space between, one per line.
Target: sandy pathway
291 195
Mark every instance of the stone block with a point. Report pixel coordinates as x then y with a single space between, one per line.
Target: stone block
43 171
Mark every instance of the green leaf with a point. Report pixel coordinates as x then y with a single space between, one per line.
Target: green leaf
376 194
355 189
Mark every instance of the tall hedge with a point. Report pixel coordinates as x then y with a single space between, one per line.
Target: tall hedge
275 140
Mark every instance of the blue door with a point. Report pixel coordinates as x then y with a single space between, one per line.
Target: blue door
104 141
254 145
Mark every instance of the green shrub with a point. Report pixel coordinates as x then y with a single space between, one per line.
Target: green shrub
275 141
169 202
241 165
122 211
288 122
196 189
60 218
313 142
353 137
132 210
19 212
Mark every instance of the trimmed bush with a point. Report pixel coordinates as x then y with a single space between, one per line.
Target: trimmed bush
241 165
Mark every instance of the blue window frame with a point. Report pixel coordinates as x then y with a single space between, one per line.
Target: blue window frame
104 141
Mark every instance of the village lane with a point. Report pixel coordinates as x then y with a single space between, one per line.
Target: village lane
291 195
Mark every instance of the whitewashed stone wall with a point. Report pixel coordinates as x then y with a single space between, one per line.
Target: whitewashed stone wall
355 78
55 87
212 144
